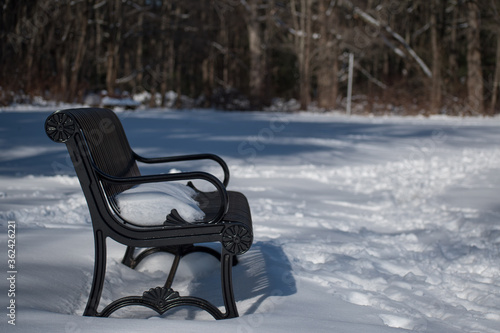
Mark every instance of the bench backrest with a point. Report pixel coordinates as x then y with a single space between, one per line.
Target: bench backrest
99 133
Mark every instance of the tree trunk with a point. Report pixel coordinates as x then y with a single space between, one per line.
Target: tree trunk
208 63
324 60
269 33
80 53
436 60
63 60
474 71
335 75
328 57
110 69
99 14
163 52
139 51
255 47
453 52
171 62
305 98
178 86
114 44
207 78
224 42
302 42
496 80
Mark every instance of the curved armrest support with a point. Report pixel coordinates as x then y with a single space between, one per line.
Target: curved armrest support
192 157
221 189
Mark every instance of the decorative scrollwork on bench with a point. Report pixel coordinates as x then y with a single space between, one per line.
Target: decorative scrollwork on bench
161 299
237 239
159 296
59 127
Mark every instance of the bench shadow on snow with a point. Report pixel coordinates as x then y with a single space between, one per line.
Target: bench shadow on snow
262 273
267 272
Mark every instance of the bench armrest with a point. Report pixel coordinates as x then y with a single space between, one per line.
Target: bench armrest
192 157
221 189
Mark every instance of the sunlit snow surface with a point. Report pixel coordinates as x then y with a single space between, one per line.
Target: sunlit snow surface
361 224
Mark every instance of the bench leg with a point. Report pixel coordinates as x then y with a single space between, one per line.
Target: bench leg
173 271
128 258
99 274
227 284
163 298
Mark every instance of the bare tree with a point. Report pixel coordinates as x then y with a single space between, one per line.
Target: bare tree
81 27
436 58
115 20
474 70
327 55
496 79
139 50
256 68
302 33
385 32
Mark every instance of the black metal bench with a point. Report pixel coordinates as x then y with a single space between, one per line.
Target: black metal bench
106 166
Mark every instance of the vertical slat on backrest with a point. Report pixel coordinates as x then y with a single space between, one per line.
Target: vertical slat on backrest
108 144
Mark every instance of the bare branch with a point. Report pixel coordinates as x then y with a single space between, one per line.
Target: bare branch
377 24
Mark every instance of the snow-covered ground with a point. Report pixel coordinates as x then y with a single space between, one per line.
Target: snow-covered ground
361 225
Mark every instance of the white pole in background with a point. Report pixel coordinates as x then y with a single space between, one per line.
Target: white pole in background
349 83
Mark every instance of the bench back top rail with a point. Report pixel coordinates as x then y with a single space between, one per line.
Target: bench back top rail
102 133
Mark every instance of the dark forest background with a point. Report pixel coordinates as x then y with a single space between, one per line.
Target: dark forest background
427 56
